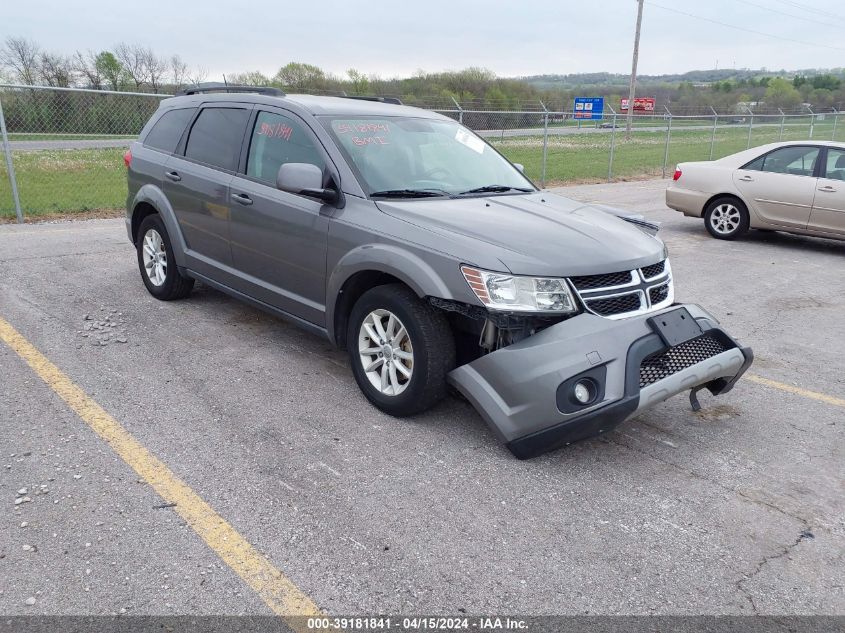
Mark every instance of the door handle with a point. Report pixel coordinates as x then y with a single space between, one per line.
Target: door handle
242 198
746 179
173 176
828 189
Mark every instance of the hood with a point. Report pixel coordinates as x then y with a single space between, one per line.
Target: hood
535 234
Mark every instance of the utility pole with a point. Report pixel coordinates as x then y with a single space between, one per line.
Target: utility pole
632 90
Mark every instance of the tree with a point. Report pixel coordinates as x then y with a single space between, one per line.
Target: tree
110 69
21 57
299 77
360 83
179 71
131 58
155 68
250 78
56 70
198 75
782 94
86 65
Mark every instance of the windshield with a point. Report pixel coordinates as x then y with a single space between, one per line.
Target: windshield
411 157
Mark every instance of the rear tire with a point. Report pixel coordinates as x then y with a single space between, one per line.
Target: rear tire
726 218
400 348
157 264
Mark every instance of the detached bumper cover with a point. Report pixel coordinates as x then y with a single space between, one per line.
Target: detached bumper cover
522 391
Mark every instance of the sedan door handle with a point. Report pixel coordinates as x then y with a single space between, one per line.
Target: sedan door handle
242 198
746 179
173 176
828 189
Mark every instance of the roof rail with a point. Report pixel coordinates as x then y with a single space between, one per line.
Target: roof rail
220 87
393 100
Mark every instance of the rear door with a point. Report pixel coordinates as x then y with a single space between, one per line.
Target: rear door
279 238
196 182
829 206
780 185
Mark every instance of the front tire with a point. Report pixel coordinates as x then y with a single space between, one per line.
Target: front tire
726 218
156 263
400 349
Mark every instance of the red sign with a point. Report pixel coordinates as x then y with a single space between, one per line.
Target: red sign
641 104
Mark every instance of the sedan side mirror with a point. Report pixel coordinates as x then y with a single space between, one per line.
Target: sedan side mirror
304 179
520 167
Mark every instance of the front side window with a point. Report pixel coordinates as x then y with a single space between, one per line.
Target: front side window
168 130
397 154
216 136
797 161
276 140
835 164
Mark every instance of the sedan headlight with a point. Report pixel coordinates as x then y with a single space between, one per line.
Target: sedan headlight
499 291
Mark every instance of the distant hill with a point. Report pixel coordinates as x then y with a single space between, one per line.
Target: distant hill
551 82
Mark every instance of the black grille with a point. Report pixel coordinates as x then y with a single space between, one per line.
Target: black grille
615 305
590 282
671 361
659 294
654 270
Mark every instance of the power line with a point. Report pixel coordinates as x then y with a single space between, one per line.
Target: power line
804 7
741 28
789 15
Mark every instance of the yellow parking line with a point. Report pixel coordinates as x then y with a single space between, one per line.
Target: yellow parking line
813 395
279 592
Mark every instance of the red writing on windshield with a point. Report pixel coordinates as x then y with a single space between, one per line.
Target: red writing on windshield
279 130
345 128
369 140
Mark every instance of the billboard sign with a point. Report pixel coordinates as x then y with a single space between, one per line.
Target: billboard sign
641 104
589 108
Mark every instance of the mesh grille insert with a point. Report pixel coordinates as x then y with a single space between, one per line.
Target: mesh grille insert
659 294
591 282
615 305
671 361
654 270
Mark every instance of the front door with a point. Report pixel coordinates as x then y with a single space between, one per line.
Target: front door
779 186
829 207
279 238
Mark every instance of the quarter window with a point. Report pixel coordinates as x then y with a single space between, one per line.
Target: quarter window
276 140
168 130
216 136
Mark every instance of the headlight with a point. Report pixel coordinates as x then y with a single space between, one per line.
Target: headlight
499 291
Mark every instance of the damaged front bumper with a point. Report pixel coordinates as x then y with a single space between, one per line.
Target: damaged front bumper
525 391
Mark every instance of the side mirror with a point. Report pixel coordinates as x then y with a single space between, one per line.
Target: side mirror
304 179
520 167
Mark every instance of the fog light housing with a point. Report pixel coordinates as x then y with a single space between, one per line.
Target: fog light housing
584 392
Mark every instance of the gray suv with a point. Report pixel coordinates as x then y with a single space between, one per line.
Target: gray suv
406 239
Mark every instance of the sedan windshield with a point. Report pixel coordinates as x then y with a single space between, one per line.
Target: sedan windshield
405 157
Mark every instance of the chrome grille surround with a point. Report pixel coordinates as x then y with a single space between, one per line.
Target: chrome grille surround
633 292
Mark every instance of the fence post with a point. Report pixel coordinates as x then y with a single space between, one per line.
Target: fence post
545 143
668 140
835 117
10 168
612 145
460 111
713 134
750 125
812 120
782 121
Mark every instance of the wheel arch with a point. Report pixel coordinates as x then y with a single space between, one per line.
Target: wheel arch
717 196
149 200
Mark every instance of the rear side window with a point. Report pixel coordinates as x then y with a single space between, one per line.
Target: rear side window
168 130
799 160
216 136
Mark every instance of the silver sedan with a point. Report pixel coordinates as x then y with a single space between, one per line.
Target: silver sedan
797 187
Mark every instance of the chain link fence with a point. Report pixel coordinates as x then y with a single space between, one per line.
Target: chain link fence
63 148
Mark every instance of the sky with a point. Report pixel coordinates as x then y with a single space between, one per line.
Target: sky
392 39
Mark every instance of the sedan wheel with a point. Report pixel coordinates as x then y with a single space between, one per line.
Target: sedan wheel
386 352
726 218
155 257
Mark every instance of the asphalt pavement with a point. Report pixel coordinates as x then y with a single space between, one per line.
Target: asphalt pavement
736 509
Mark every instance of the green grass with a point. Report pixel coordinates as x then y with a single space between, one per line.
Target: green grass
62 181
68 137
69 181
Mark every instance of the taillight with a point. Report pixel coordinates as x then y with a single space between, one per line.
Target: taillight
677 175
127 159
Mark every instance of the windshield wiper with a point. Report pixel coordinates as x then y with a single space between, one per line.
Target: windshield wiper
495 189
409 193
